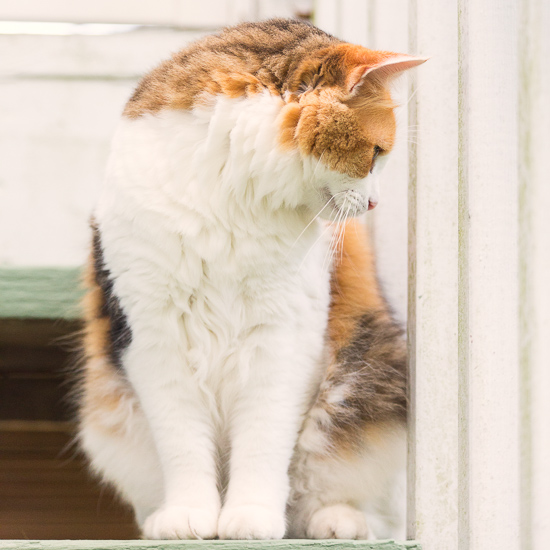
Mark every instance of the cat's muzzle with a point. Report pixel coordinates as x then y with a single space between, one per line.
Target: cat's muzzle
353 203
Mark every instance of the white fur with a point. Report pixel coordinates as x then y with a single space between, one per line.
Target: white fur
206 231
355 496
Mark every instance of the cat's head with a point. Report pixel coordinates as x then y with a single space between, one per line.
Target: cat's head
340 116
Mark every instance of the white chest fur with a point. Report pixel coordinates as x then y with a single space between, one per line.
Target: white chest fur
201 223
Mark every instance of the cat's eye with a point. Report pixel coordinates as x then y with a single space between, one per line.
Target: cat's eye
377 151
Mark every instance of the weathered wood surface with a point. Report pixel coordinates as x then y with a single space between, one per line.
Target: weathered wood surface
534 250
206 545
41 293
433 280
47 492
463 311
489 275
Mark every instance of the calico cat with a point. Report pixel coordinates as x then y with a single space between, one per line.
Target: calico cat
240 380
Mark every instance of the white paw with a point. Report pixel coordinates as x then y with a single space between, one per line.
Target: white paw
181 522
251 522
339 521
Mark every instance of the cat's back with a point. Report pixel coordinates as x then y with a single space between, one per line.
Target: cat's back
238 61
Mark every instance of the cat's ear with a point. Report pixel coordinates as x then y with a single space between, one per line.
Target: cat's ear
382 71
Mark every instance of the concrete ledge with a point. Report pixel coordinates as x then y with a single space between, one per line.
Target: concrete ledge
207 545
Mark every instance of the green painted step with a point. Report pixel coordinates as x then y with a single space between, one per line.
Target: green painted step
207 545
40 293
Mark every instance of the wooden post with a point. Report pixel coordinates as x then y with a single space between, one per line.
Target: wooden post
433 280
534 161
488 254
464 467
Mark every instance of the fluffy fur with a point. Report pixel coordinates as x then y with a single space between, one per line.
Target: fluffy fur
235 385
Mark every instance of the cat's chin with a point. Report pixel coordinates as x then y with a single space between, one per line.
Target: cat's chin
342 205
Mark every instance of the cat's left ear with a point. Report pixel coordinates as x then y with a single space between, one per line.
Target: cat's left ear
383 71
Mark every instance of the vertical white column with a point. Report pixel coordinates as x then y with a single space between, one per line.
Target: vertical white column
489 328
433 276
534 161
389 24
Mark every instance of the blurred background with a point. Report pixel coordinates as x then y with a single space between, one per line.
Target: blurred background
462 238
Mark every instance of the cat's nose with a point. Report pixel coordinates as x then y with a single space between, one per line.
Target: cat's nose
372 204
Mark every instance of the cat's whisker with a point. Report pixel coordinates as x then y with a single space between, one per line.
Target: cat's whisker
329 254
339 230
354 210
308 225
342 233
313 246
315 217
318 162
333 245
411 96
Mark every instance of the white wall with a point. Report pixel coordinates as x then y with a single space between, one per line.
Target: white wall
60 100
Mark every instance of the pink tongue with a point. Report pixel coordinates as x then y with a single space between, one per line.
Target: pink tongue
372 205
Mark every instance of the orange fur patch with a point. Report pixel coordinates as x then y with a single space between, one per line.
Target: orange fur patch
96 329
355 288
238 84
376 437
341 128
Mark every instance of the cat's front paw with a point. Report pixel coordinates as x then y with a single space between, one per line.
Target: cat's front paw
251 522
339 521
181 522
